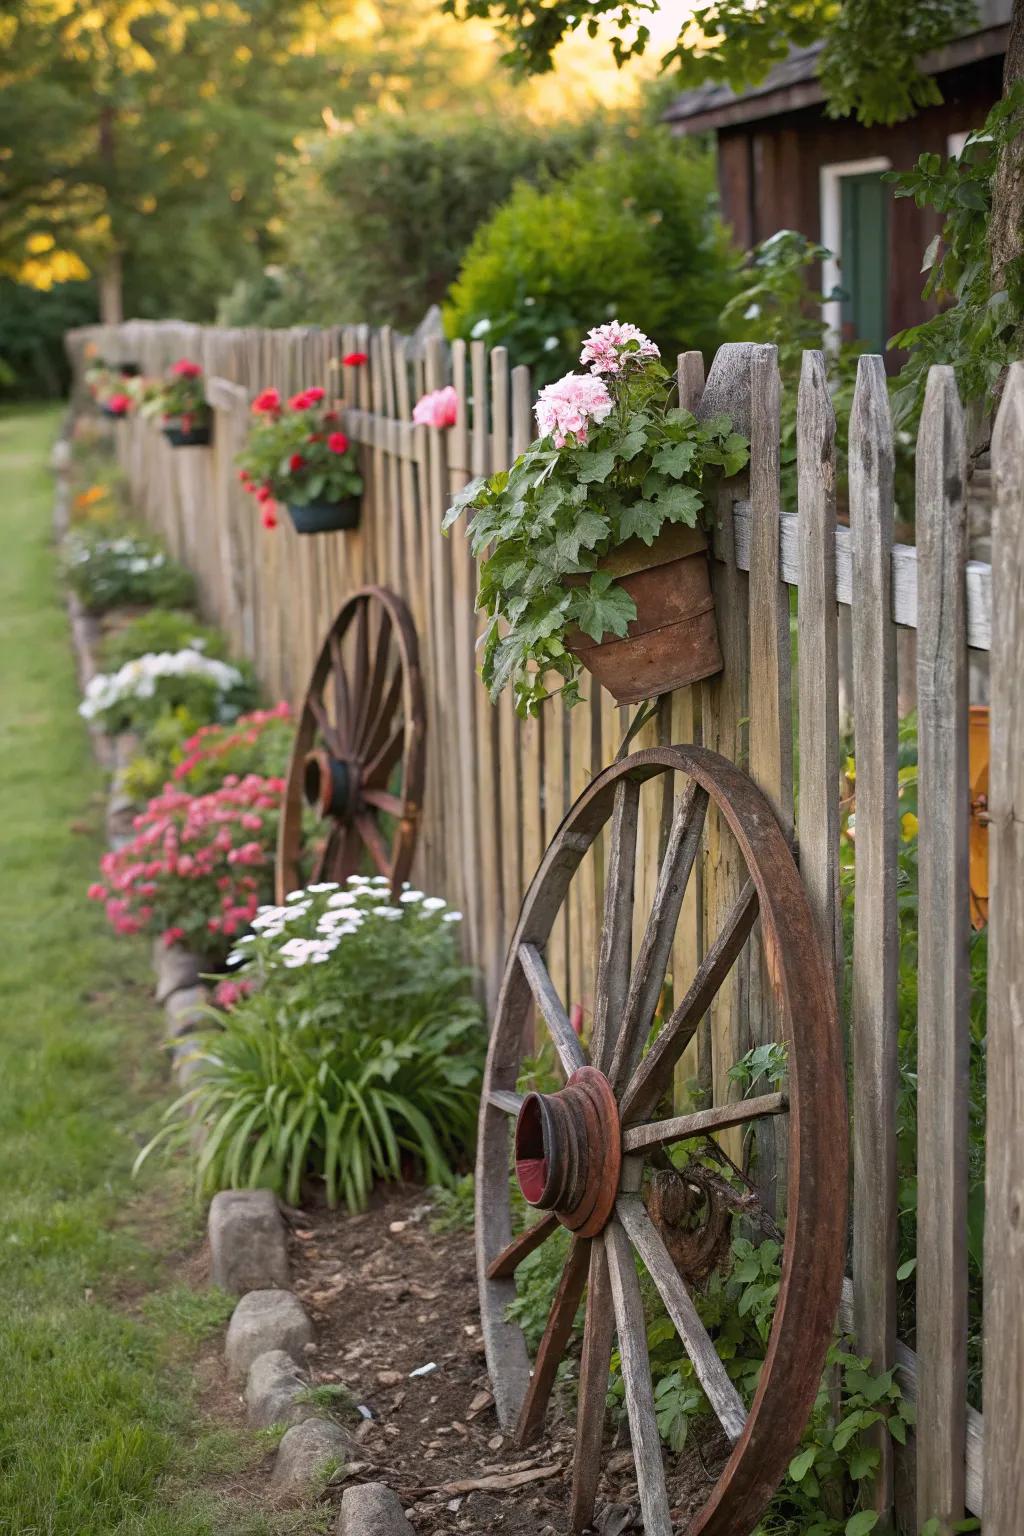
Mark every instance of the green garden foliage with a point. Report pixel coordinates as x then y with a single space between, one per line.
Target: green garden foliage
160 629
108 569
356 1054
377 220
632 234
33 363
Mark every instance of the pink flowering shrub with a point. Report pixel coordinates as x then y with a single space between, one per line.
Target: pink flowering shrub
258 743
613 348
439 408
198 867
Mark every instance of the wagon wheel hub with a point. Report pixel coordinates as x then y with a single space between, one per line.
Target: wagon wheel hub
568 1151
331 785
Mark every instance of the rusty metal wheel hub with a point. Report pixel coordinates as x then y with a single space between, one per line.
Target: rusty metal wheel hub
330 785
568 1151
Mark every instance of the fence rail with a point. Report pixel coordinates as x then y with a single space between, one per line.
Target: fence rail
498 787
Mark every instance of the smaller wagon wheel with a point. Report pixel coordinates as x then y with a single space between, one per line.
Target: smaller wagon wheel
592 1157
358 755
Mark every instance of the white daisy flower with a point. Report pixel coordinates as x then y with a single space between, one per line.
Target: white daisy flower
433 904
409 896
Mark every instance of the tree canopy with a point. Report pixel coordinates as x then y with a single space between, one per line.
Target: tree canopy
154 134
870 60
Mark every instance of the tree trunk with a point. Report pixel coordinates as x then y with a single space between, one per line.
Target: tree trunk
1006 228
111 294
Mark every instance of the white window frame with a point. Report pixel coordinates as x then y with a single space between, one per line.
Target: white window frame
831 205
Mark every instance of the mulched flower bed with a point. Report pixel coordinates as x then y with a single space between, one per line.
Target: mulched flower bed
388 1296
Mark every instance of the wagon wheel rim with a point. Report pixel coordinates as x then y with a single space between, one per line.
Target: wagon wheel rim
358 754
764 1438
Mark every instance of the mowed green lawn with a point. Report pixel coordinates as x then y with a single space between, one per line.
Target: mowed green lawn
98 1427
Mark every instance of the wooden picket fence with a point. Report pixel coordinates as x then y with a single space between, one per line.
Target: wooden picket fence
497 786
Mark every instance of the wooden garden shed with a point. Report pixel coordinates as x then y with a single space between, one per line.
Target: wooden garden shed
784 164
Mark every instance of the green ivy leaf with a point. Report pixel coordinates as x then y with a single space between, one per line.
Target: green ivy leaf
802 1464
675 458
596 467
680 504
863 1521
642 520
587 529
602 609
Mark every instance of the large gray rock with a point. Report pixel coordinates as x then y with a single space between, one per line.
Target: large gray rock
185 1011
275 1390
309 1451
371 1509
176 967
247 1241
265 1320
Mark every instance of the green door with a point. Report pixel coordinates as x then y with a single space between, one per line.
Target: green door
864 260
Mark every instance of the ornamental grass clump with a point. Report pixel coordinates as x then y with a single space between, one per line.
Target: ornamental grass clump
124 570
353 1051
141 691
197 868
297 453
617 462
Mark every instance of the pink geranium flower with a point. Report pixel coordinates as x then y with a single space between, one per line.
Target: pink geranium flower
608 348
439 408
567 407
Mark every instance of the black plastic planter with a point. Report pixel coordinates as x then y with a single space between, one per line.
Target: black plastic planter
196 437
325 516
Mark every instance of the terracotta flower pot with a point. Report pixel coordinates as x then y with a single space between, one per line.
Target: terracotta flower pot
195 437
326 516
673 640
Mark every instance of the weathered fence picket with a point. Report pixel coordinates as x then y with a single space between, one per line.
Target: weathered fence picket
497 787
943 981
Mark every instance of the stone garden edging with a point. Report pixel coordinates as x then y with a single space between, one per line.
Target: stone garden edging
270 1332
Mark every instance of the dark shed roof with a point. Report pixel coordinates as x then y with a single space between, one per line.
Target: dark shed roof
794 83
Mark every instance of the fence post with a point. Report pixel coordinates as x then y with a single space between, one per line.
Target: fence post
943 972
875 948
1004 1181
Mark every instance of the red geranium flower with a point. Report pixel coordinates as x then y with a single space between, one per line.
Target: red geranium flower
355 359
314 395
264 493
337 442
268 517
300 402
268 401
296 462
119 404
186 369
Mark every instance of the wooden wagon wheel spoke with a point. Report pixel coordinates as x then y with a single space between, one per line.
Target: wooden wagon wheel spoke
556 1337
378 729
373 837
378 770
374 692
327 730
365 764
342 704
510 1258
631 1328
654 1073
710 1371
703 1122
613 964
563 1036
382 801
580 1150
595 1362
648 975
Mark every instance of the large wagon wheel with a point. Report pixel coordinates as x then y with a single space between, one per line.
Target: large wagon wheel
358 755
580 1152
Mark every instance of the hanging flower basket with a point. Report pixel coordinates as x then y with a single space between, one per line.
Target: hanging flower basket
298 454
673 641
326 516
192 436
592 545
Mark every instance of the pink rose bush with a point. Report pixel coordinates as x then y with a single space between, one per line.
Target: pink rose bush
256 743
198 867
617 461
439 408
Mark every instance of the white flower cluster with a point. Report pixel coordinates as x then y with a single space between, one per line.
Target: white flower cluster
140 678
345 910
129 553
